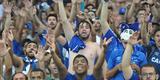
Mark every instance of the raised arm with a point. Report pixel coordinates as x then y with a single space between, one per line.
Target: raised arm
132 8
73 10
144 33
7 20
104 16
67 27
153 8
19 22
126 65
36 20
16 61
101 58
98 12
32 14
61 67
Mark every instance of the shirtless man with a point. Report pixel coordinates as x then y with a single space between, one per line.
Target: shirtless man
79 43
80 65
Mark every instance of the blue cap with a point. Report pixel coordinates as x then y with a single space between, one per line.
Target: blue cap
123 26
122 10
134 26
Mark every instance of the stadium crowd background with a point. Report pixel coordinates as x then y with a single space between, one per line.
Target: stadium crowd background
79 39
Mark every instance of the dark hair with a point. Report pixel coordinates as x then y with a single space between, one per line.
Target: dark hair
82 22
86 7
52 14
78 56
148 65
25 42
26 77
39 70
141 9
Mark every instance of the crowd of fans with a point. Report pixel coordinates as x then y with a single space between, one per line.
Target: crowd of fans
79 40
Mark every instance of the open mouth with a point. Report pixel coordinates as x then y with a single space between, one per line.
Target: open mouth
31 52
80 67
84 33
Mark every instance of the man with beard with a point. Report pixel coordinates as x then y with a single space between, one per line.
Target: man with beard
81 42
29 62
80 65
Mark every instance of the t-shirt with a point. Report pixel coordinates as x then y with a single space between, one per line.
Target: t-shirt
154 57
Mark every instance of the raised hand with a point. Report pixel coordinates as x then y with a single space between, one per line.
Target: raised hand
15 10
22 13
28 4
51 42
8 7
106 42
40 54
10 35
134 38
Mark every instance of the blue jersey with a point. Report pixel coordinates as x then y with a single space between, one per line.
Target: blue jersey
115 53
137 58
112 45
73 77
18 51
154 58
76 44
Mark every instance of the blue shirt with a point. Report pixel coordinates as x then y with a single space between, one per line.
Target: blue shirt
115 53
112 45
154 58
73 77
